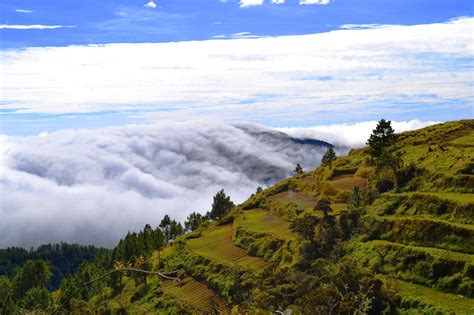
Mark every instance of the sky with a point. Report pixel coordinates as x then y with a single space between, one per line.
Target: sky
115 113
290 63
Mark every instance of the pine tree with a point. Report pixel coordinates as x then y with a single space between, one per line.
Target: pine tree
221 205
328 158
356 198
193 221
298 169
382 146
165 225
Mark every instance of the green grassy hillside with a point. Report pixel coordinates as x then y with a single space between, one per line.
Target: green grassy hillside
403 244
416 236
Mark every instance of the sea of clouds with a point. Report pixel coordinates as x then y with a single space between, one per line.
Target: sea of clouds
92 186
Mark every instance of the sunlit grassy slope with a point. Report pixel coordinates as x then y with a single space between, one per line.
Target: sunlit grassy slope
197 295
216 244
262 221
419 235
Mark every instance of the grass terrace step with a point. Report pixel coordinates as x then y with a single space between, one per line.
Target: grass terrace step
422 300
455 207
348 181
197 295
216 244
442 269
422 232
262 221
302 200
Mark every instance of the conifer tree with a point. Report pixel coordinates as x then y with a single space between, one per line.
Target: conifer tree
328 157
382 146
221 205
298 169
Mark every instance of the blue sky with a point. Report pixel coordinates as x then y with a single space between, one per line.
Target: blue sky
112 21
236 60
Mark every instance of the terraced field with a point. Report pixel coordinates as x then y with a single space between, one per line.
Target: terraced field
430 255
413 294
348 181
216 244
197 295
301 200
261 221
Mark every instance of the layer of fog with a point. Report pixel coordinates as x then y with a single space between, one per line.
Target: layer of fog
92 186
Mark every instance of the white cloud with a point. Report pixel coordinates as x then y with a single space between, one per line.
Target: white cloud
351 135
278 1
343 74
23 11
362 26
150 5
250 3
243 35
318 2
33 27
92 186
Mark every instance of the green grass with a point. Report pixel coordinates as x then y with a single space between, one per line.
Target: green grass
261 221
468 227
338 207
454 138
216 244
447 302
437 252
425 232
301 200
455 197
195 294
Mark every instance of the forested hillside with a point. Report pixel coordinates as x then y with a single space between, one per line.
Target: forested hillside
387 229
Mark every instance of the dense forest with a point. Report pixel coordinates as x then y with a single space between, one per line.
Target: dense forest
387 229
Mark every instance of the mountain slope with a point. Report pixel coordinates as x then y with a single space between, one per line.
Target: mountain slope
405 247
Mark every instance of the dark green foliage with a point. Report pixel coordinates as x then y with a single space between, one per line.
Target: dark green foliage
144 242
298 169
165 226
406 174
7 304
305 226
36 298
382 138
382 146
328 158
65 259
176 229
384 185
242 284
193 221
221 205
356 198
33 274
323 205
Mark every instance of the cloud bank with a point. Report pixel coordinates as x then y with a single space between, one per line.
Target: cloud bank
420 71
92 186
